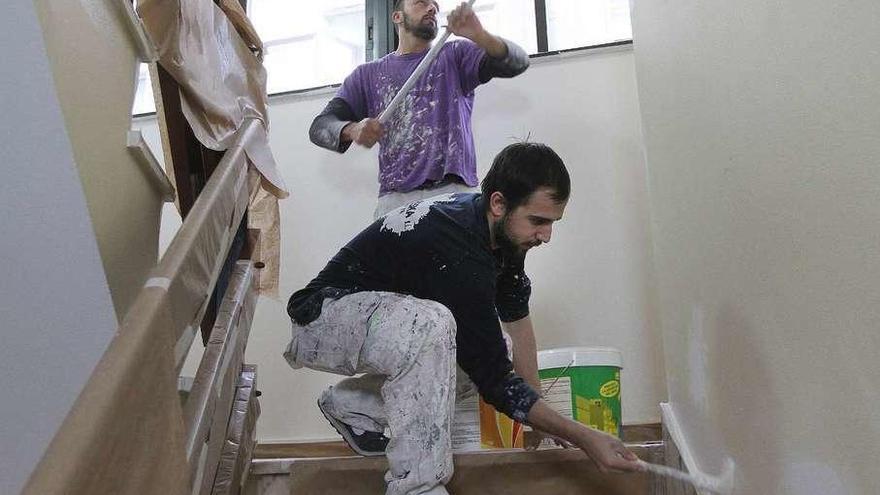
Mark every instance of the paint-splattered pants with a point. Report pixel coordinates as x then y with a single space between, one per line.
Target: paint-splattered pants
405 348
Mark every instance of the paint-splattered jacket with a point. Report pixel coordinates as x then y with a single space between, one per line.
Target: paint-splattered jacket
439 249
429 138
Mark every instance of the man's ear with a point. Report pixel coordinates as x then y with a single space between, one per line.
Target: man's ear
397 17
497 204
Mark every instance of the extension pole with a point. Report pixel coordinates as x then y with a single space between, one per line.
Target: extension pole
420 69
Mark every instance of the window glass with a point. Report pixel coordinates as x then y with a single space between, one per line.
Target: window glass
510 19
576 23
143 97
309 43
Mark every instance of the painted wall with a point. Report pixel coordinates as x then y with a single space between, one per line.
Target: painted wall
55 308
94 64
592 284
762 138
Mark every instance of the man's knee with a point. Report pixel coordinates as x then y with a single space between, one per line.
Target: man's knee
435 323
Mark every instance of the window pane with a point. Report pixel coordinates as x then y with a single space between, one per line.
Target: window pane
575 23
511 19
309 43
143 97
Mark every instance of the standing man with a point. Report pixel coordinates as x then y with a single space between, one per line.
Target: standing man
421 289
427 148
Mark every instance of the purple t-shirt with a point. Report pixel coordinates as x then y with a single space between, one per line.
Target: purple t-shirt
430 135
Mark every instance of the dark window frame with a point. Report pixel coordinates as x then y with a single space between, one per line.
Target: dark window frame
382 36
381 39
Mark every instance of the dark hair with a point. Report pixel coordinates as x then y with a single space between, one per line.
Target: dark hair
521 168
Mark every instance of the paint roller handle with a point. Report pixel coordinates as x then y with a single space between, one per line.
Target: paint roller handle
414 77
365 133
607 452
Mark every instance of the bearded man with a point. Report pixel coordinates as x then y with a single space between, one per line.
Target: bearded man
427 148
415 298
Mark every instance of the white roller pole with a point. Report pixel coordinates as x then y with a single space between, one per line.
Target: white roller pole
420 69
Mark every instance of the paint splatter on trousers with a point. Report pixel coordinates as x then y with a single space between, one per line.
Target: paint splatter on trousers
405 349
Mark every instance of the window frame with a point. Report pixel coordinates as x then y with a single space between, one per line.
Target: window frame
381 39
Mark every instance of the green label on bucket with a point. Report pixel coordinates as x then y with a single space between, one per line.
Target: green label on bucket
595 395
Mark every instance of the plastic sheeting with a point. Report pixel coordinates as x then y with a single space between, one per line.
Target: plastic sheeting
239 19
222 83
240 440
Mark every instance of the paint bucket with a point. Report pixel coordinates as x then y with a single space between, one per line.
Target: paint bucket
583 383
478 426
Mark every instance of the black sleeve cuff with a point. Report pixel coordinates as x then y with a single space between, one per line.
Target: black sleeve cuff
513 397
326 129
515 63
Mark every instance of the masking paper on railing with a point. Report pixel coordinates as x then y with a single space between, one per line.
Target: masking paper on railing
221 82
240 436
125 434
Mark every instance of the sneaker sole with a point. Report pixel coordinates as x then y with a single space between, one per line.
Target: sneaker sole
343 432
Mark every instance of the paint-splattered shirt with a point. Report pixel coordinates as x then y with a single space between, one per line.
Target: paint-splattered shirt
439 249
430 136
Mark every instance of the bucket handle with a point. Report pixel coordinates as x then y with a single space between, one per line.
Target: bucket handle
550 387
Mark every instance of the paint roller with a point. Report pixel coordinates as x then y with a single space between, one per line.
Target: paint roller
414 77
703 483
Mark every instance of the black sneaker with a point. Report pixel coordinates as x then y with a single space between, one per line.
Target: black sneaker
367 443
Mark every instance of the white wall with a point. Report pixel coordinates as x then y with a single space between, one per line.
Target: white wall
592 284
762 129
55 307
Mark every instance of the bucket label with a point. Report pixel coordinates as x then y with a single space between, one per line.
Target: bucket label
466 425
557 394
610 389
592 392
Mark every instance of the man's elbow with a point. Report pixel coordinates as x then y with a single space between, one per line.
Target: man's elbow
322 135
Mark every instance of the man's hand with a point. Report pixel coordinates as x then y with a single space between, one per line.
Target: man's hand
606 451
365 133
464 22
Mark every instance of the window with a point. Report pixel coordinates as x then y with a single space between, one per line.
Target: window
143 97
309 43
510 19
576 23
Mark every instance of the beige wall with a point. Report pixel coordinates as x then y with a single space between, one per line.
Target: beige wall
762 131
94 65
592 284
56 316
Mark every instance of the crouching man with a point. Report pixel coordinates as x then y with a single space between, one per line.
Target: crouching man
418 294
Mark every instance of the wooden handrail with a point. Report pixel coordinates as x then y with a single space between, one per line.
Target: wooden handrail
125 434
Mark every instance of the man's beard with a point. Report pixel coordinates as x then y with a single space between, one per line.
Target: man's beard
510 250
426 32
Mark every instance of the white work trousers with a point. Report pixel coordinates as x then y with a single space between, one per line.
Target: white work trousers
405 348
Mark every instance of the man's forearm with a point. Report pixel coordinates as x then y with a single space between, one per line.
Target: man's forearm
525 353
494 46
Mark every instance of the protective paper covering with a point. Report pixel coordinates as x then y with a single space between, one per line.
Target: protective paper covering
194 259
199 46
264 232
240 437
210 404
243 25
221 81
